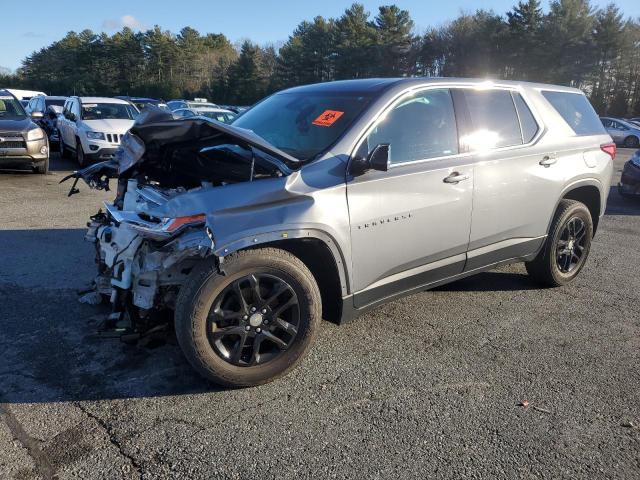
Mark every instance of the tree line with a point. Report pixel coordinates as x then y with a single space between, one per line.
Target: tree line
572 43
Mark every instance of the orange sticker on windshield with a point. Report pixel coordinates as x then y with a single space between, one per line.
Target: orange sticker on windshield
327 118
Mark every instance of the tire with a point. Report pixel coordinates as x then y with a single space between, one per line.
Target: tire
43 168
549 268
80 158
64 153
197 325
631 141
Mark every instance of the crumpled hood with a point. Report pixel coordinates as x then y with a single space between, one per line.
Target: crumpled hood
157 129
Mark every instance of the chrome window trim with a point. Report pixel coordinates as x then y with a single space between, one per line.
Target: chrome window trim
449 86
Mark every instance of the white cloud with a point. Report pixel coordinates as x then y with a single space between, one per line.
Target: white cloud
125 21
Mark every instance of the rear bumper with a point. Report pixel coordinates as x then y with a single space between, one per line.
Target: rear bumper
630 180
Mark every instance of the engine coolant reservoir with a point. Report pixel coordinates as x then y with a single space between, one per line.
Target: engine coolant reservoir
131 197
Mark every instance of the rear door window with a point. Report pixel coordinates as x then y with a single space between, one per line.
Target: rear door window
576 110
494 121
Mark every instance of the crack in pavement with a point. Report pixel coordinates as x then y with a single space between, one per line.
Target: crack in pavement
42 463
112 438
201 427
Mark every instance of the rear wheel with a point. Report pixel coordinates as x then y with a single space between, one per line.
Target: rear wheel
631 142
566 248
254 323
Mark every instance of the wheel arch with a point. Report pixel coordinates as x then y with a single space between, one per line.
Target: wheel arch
317 250
587 192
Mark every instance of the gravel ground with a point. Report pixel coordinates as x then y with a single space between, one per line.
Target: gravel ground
427 386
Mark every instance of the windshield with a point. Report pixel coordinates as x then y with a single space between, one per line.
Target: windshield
108 111
303 124
10 108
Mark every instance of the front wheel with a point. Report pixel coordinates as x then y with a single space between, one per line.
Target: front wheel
64 153
252 324
43 168
566 248
79 153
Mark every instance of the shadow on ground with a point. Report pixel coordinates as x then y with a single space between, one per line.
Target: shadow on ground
619 205
48 349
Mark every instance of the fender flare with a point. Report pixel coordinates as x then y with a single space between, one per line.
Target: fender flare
583 182
222 251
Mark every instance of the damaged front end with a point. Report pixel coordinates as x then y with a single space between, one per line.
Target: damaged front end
145 249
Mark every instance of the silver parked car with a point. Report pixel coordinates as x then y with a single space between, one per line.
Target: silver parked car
623 133
324 201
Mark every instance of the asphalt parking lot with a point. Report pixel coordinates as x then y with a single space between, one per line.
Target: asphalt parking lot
427 386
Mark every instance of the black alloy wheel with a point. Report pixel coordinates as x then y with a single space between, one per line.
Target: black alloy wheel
254 320
571 245
249 320
566 247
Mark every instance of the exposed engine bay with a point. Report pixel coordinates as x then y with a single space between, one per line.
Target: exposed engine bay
143 251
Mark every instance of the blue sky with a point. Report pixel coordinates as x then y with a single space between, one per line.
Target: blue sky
26 30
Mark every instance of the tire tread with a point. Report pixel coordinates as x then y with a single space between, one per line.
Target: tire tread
188 311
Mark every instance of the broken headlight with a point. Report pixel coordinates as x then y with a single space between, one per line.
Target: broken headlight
168 227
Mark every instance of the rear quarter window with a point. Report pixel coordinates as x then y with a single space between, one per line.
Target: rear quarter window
576 110
527 121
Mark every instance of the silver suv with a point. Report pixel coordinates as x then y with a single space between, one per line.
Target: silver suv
326 200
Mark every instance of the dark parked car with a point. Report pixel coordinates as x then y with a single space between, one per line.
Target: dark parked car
235 108
629 185
44 111
143 102
22 142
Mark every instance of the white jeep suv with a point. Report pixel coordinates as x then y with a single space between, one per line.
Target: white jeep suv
91 127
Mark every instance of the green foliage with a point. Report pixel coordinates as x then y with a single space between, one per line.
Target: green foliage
573 43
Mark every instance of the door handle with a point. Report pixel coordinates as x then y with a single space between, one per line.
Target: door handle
455 177
548 160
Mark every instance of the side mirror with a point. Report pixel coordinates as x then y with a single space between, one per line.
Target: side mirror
35 115
377 159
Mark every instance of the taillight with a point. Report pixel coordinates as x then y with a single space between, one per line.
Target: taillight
177 222
610 149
